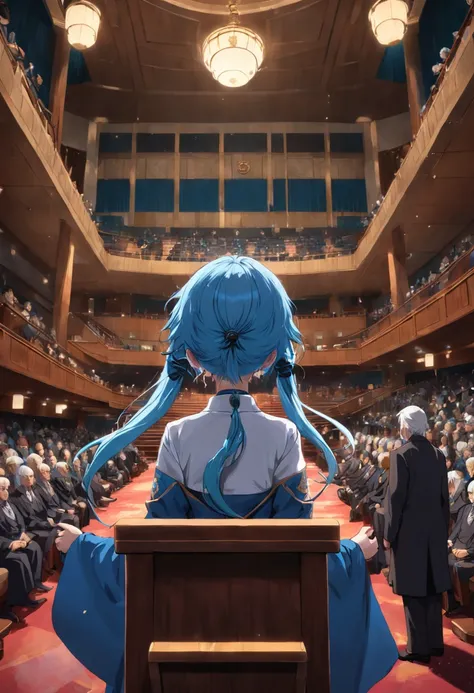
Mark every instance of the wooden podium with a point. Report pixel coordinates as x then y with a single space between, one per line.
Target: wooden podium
226 606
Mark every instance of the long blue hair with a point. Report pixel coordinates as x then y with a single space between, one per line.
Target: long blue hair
235 295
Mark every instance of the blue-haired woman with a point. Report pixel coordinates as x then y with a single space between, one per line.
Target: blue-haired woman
232 319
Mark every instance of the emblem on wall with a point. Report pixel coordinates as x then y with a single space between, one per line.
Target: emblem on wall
243 167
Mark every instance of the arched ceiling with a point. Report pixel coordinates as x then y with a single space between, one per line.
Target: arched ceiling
321 64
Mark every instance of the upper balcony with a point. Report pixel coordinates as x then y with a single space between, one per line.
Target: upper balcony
427 197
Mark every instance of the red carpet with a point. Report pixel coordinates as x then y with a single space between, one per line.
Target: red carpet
35 660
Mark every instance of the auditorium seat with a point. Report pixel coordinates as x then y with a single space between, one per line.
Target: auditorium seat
5 624
463 627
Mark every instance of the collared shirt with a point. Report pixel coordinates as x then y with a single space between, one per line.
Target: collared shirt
470 517
30 495
272 451
8 510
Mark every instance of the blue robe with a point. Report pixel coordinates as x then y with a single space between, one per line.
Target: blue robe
89 607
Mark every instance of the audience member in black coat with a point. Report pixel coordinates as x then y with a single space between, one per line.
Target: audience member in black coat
59 512
19 554
457 493
112 474
34 511
461 545
64 487
416 529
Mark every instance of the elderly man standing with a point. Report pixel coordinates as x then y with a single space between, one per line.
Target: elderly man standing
416 530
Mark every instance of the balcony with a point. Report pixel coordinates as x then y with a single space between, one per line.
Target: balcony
428 197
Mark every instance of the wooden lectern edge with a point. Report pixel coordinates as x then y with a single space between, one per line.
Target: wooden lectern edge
227 536
135 546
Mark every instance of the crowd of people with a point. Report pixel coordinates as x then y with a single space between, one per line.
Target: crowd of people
269 245
32 327
41 486
363 477
430 277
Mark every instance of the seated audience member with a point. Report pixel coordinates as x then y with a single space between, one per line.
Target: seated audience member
64 487
19 554
461 545
39 450
22 447
59 512
112 475
120 462
9 297
13 464
34 511
457 492
34 462
470 466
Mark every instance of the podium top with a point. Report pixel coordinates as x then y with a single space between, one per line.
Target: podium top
227 536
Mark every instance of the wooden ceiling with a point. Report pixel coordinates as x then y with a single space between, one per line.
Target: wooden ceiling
321 63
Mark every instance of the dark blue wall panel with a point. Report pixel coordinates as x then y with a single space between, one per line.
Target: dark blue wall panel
115 143
199 195
113 195
194 143
245 195
349 195
347 142
307 195
154 195
279 195
160 142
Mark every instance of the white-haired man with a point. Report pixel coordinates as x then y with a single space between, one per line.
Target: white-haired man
461 556
416 530
19 554
34 511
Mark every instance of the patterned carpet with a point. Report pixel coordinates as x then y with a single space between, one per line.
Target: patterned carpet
35 660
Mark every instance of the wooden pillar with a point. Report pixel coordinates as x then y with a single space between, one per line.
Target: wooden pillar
411 48
92 165
62 288
371 163
57 95
397 268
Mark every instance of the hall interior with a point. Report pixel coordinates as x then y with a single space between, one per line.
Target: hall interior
334 146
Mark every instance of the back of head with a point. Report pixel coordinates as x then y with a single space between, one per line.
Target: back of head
232 315
413 419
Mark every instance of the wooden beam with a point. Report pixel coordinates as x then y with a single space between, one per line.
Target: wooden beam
416 10
56 12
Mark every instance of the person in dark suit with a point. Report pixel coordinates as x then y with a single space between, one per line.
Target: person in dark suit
64 487
457 493
417 518
34 511
461 550
19 554
59 512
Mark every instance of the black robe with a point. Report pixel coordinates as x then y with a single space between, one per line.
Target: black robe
54 506
24 565
66 491
35 515
417 519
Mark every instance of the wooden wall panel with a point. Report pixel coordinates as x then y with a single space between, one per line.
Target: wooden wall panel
457 300
428 317
407 331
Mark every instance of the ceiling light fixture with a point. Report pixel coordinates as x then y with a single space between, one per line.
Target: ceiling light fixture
82 24
389 20
233 54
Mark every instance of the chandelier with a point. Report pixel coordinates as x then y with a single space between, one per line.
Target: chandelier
82 24
233 54
389 19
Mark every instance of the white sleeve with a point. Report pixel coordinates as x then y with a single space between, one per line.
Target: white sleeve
168 460
291 460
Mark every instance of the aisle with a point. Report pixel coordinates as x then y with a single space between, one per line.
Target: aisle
35 660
